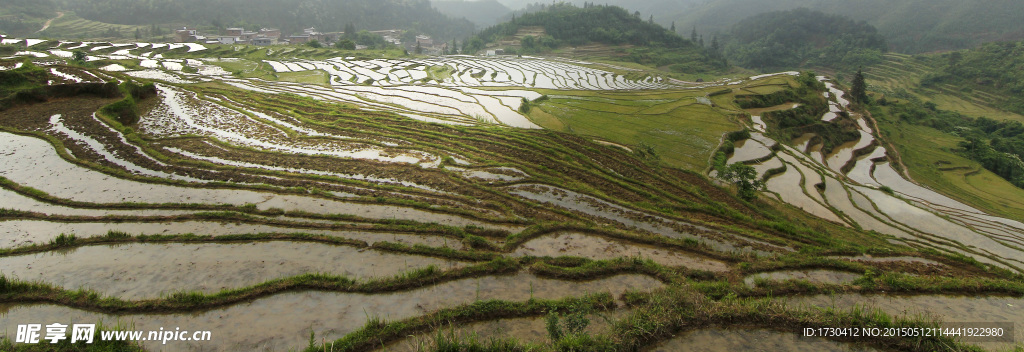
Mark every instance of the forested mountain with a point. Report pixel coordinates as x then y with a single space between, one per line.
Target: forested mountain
480 12
993 67
910 26
21 17
799 38
290 16
567 25
646 7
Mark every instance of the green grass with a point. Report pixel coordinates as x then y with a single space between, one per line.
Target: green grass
319 77
682 132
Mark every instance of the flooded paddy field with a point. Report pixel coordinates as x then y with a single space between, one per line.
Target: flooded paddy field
581 245
141 271
861 188
17 233
331 315
369 204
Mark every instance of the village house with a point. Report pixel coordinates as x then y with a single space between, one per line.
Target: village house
261 40
230 40
298 39
185 34
424 41
270 33
393 36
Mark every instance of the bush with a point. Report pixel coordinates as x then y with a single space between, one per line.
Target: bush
124 110
525 107
345 44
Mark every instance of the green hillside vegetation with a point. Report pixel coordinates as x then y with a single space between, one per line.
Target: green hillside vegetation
798 38
996 68
995 145
71 26
565 25
900 75
481 12
974 95
326 16
26 77
23 17
910 26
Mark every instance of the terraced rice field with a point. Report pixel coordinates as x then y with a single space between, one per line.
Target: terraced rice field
853 176
401 196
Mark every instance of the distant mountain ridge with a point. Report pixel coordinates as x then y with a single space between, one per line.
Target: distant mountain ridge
290 16
632 37
792 39
480 12
910 26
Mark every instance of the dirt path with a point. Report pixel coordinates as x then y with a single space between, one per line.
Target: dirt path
47 24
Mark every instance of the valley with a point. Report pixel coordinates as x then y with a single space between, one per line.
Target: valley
295 198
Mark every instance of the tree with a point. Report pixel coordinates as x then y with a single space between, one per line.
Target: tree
858 89
350 31
714 43
693 35
419 49
673 28
345 44
137 34
528 42
742 175
314 43
78 56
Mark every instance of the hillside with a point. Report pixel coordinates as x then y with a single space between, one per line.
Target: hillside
325 15
803 38
970 98
646 7
365 200
910 26
480 12
993 67
23 17
567 26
